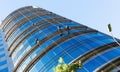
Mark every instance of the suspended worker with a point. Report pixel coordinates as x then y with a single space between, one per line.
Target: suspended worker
68 29
60 30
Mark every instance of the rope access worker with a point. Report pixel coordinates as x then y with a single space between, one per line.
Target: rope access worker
60 30
68 29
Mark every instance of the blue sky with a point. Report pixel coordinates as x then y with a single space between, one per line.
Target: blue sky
93 13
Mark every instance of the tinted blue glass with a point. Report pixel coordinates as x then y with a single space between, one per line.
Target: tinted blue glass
1 44
16 20
4 70
65 23
71 53
19 33
3 62
27 25
47 43
25 45
38 34
101 59
13 15
21 36
2 55
31 40
1 49
16 12
69 46
48 30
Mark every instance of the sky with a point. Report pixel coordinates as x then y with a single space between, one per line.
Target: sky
96 14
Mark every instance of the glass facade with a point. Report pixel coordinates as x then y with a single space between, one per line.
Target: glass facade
37 38
4 59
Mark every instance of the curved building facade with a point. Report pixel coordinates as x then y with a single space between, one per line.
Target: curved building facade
37 38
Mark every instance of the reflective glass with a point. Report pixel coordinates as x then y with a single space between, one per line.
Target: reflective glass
3 62
101 59
4 70
13 14
2 55
1 49
48 30
25 26
71 51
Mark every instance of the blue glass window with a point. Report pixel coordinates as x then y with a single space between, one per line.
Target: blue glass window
25 26
42 34
16 20
3 62
4 70
1 44
1 49
101 59
2 55
71 52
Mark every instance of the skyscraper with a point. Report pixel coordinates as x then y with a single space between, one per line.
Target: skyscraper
36 38
6 64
